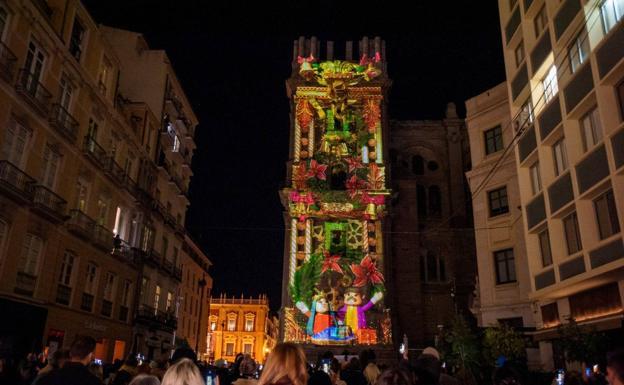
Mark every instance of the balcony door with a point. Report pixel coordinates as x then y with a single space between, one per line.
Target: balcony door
66 94
35 59
15 142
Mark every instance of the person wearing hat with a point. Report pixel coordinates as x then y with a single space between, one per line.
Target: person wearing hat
429 362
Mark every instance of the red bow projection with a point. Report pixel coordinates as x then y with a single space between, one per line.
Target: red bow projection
366 272
317 170
331 263
375 199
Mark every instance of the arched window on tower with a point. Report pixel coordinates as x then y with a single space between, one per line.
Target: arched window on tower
435 200
421 202
432 268
418 165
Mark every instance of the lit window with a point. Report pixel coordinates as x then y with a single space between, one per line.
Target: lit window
231 322
229 348
541 21
91 278
591 129
67 269
606 215
611 12
249 323
505 266
156 298
51 160
169 306
31 252
525 116
247 348
536 180
578 51
550 84
559 156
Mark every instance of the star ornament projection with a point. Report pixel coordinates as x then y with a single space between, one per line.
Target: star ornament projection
336 202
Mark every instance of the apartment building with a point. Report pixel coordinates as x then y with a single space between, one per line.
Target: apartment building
93 181
503 284
195 290
565 76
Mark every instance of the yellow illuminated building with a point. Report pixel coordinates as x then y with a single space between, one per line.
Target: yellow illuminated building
241 325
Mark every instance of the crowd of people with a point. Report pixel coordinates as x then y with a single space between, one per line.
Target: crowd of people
285 365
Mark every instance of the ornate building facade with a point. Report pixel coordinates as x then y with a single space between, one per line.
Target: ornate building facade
240 325
432 239
335 251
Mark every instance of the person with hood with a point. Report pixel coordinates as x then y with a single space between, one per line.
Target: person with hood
127 372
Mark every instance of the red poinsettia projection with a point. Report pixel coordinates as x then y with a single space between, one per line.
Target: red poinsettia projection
317 170
366 272
354 185
331 263
354 164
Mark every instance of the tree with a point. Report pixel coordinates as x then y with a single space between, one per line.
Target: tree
460 348
582 344
503 340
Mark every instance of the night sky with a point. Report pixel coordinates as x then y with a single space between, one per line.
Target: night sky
233 58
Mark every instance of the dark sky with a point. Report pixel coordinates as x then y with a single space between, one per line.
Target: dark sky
233 58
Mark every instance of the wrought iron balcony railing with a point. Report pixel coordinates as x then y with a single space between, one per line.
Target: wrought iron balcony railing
16 182
49 202
7 63
115 171
63 122
30 87
81 224
103 237
94 151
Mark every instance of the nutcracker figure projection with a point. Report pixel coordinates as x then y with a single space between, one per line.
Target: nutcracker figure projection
336 198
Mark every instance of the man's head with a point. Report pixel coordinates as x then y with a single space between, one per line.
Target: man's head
615 367
58 358
82 350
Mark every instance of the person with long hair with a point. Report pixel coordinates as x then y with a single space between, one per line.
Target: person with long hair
183 372
286 365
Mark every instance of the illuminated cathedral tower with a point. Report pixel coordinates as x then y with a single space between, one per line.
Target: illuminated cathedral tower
335 200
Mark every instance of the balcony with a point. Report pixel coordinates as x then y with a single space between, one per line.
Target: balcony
64 123
63 294
80 224
114 170
33 91
103 238
124 251
15 182
49 204
7 63
156 319
25 283
153 258
167 266
95 152
131 186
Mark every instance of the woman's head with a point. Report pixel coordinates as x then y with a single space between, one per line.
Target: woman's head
183 372
145 379
286 362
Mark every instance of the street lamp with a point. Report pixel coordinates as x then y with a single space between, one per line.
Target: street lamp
202 283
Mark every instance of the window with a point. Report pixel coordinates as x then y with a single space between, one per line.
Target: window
544 244
51 160
169 306
126 294
498 201
572 235
541 21
606 215
213 323
66 92
35 59
176 144
525 116
578 51
247 348
591 129
106 68
493 140
249 323
432 268
67 268
231 322
109 286
144 290
92 132
536 180
435 200
550 84
16 139
559 157
229 348
4 21
76 40
102 217
82 191
519 54
31 252
505 266
156 297
418 165
611 12
91 278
